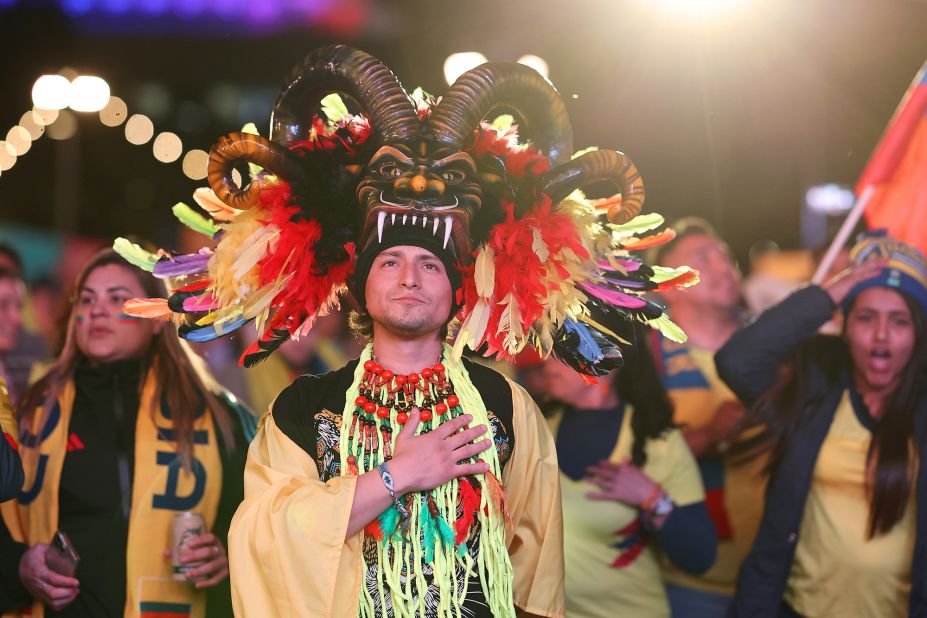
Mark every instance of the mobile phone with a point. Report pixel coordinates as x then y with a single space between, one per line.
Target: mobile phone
61 556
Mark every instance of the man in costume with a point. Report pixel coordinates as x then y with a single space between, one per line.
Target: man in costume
411 482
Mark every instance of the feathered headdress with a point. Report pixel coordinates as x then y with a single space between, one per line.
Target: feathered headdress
541 264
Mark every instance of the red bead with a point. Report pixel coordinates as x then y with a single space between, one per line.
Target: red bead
400 380
383 412
352 459
369 365
427 373
453 401
413 378
387 374
440 409
439 368
377 369
370 407
360 401
425 415
401 418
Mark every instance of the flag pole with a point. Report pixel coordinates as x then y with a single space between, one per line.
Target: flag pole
841 239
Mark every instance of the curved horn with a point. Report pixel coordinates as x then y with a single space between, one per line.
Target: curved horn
595 166
491 86
344 70
254 149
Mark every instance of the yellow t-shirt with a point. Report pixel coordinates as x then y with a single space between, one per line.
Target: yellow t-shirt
837 571
592 543
742 485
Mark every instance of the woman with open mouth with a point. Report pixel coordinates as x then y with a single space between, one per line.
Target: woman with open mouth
844 531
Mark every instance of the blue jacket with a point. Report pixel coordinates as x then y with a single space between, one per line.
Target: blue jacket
748 363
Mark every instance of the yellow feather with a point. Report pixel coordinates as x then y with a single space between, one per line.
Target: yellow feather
484 273
477 321
208 201
538 245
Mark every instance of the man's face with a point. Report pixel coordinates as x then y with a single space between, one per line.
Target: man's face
11 313
720 280
408 291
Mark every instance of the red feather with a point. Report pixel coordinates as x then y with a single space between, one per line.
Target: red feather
196 286
683 279
469 505
497 495
294 251
647 242
373 529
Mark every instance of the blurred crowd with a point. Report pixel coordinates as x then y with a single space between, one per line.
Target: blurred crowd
690 488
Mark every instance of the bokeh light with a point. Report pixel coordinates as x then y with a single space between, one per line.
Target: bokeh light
64 127
88 93
45 116
535 62
459 63
167 147
195 164
115 112
33 123
7 156
19 139
51 92
139 129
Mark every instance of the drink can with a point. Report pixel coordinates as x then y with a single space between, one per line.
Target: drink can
185 526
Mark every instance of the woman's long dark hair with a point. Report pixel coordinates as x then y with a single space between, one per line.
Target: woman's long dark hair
179 371
639 384
890 470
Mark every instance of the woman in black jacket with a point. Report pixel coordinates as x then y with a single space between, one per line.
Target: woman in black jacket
124 431
844 532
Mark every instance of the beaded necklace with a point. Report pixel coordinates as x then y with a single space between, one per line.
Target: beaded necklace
386 398
434 537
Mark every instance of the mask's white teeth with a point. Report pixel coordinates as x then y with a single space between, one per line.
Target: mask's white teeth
404 217
414 218
424 221
437 223
381 219
393 218
448 224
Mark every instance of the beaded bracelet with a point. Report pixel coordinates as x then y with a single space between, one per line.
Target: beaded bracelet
391 488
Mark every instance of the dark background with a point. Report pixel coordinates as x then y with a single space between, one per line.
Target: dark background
731 118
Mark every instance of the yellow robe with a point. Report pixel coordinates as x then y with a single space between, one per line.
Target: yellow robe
287 550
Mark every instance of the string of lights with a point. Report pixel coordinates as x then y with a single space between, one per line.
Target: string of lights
56 97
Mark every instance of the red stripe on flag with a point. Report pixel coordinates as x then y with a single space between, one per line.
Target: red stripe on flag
894 143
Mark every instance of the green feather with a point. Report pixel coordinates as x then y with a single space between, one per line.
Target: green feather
640 223
135 255
194 220
253 169
664 273
429 534
334 108
669 329
504 122
389 521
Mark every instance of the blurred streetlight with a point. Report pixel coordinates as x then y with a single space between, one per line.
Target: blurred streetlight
535 62
459 63
88 94
701 8
51 92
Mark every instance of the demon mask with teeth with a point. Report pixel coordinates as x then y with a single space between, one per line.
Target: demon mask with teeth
399 160
414 169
